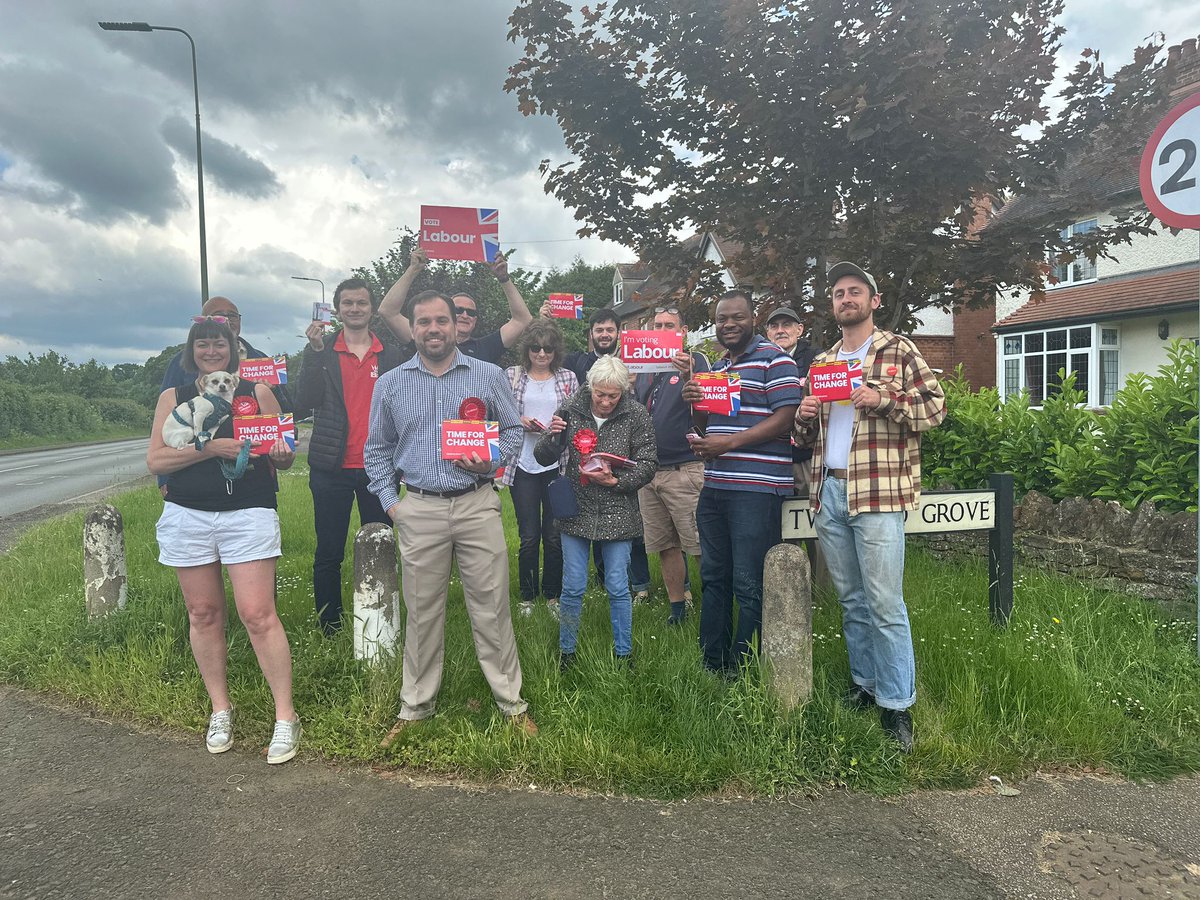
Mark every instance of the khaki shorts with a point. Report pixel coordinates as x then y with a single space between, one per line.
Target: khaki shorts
669 508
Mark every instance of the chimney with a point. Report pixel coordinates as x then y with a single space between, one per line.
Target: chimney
1183 69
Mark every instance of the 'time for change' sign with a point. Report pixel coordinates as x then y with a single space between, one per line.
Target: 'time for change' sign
939 511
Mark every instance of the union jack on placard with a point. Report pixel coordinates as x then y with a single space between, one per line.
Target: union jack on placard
489 216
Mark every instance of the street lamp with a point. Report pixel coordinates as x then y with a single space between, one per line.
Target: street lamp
317 280
142 26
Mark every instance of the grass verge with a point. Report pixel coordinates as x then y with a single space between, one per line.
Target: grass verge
1082 679
50 441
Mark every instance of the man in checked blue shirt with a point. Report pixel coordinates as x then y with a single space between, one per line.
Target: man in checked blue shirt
450 510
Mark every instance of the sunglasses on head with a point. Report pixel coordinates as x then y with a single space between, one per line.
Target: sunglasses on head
669 310
541 348
220 320
464 311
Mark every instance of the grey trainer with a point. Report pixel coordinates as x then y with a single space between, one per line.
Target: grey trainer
285 741
220 731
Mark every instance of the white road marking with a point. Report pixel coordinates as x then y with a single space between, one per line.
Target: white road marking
19 468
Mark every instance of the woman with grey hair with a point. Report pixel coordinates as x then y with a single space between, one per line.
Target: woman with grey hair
601 419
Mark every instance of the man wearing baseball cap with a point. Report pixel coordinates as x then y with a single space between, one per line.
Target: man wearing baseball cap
865 473
786 331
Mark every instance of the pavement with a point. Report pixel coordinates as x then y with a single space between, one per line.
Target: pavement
92 807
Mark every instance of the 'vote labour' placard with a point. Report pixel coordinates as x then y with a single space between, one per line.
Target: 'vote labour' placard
650 351
266 369
566 306
263 431
460 232
722 392
830 381
461 438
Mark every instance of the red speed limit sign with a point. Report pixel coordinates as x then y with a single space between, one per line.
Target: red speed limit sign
1170 171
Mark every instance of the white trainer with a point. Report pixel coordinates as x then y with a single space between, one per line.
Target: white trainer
285 741
220 731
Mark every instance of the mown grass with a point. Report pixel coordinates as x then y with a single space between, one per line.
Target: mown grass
1082 679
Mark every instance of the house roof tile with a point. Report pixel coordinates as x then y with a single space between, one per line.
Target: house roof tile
1112 298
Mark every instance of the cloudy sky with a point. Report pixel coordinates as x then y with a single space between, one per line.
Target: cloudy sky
325 127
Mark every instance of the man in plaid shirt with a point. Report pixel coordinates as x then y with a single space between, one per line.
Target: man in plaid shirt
865 473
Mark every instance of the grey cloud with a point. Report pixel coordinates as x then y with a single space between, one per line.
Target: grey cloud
226 164
108 164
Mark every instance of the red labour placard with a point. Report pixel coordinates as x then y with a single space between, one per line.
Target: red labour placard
460 438
460 232
264 431
650 351
830 381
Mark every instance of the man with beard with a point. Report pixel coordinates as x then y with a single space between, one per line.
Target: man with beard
865 473
604 329
450 511
786 331
747 473
336 381
490 348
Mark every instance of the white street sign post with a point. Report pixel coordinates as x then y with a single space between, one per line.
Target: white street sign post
1170 182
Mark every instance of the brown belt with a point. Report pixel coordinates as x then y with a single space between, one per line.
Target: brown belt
839 474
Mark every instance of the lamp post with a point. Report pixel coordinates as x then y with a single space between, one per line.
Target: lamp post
317 280
143 26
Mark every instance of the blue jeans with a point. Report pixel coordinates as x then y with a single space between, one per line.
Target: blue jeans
334 492
639 565
865 556
737 528
616 582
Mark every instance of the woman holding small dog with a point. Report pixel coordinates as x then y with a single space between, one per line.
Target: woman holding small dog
215 515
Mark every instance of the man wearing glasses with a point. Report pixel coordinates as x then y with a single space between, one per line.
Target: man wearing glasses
668 502
489 348
786 331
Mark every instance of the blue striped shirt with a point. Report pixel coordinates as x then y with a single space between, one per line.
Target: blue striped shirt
770 381
407 410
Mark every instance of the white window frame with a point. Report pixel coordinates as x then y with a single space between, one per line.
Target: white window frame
1013 353
1079 270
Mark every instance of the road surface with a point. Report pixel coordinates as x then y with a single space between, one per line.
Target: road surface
68 475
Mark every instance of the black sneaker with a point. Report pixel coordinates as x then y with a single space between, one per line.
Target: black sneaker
860 698
677 616
899 727
565 661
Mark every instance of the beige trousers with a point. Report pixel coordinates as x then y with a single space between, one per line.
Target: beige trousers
432 533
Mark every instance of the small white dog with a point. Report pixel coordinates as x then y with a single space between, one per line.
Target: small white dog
195 421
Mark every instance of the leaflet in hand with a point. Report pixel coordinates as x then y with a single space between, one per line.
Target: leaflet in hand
266 369
722 392
264 431
461 438
830 381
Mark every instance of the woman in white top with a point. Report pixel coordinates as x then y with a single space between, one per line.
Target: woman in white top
540 385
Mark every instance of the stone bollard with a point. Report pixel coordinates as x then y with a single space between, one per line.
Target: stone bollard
104 573
376 596
787 624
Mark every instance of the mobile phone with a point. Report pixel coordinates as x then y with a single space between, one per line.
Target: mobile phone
540 426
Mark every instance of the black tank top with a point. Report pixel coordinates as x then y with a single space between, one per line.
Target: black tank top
203 486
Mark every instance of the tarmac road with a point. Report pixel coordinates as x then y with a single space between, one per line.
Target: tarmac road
94 808
68 475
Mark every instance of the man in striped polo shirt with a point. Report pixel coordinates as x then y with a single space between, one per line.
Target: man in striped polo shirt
450 511
747 473
865 473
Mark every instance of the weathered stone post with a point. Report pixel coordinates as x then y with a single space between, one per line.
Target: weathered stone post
787 624
376 596
104 573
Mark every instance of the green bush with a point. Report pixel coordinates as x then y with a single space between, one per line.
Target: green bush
1141 448
124 413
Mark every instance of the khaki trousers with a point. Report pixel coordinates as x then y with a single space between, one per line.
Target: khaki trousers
433 532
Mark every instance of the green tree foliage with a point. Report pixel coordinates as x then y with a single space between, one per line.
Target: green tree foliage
1143 447
815 130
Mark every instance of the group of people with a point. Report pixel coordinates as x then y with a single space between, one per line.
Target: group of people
598 463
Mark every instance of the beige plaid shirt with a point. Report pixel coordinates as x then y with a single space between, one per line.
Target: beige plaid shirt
884 472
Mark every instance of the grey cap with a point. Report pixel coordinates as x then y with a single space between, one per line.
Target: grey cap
842 269
785 312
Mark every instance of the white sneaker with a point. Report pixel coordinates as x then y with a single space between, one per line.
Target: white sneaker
526 608
220 731
285 741
552 606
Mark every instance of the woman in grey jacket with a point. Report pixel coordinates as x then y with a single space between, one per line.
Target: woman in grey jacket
601 418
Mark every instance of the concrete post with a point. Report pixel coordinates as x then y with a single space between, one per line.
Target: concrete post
104 573
787 624
376 596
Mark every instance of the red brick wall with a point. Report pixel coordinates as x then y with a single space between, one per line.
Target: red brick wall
937 350
975 345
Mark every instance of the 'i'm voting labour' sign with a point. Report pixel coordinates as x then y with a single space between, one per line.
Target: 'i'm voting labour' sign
1170 172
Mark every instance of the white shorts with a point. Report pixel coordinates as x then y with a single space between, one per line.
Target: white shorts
193 537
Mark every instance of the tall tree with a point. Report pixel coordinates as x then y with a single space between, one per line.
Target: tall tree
814 130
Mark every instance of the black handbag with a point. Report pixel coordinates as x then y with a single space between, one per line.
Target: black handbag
563 503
